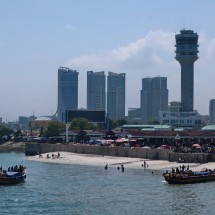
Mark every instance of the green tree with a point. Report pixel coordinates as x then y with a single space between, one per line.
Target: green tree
112 124
134 122
54 129
153 122
41 132
82 124
18 133
121 122
5 131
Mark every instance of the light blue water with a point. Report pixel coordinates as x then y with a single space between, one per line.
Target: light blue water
74 189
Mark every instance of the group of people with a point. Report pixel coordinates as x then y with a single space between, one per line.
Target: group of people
122 167
16 168
143 165
181 169
53 155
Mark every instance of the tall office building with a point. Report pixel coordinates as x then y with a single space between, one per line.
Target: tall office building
67 91
96 94
186 55
116 95
212 111
23 122
154 98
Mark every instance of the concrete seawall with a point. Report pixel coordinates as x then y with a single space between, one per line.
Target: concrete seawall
145 153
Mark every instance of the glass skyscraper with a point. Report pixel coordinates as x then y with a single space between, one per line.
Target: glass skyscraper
212 111
67 91
154 98
116 95
96 93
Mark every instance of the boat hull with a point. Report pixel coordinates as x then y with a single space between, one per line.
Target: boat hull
11 181
10 178
183 179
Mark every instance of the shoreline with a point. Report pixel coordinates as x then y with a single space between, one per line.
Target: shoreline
113 162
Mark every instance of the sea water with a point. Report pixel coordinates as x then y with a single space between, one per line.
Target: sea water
80 189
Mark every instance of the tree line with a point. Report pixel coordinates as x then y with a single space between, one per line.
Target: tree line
55 128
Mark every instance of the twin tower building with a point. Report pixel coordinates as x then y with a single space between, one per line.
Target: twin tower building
153 95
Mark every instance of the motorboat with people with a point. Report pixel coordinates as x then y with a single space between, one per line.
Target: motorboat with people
13 175
189 177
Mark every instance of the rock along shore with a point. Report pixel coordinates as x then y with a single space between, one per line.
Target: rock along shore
12 147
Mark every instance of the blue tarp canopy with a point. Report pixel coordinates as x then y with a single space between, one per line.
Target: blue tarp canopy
13 174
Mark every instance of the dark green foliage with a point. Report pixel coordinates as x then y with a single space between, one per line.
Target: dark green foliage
54 129
82 124
18 133
5 131
113 124
153 122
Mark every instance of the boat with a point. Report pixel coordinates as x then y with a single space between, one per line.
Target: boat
189 177
12 177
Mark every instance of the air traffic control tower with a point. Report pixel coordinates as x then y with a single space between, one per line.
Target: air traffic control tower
186 55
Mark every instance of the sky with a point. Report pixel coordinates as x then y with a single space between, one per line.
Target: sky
136 37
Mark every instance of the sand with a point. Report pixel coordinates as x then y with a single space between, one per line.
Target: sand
97 160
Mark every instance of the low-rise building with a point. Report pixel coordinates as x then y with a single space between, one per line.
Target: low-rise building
176 117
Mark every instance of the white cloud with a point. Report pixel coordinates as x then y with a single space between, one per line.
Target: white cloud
70 27
142 53
211 49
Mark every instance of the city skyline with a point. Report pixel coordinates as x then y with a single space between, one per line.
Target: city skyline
127 36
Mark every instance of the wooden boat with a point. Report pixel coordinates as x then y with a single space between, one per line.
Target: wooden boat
189 177
11 177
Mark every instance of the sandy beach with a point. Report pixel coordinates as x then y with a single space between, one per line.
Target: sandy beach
97 160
